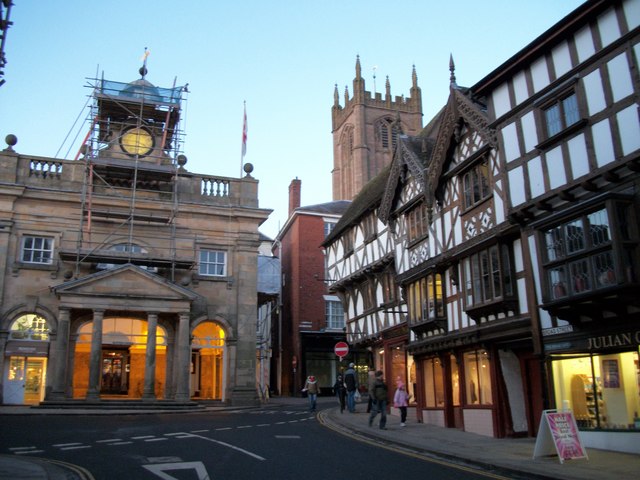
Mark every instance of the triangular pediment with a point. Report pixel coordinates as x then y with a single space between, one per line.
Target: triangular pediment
460 108
123 287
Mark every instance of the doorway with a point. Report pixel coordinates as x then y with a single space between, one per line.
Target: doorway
115 372
25 380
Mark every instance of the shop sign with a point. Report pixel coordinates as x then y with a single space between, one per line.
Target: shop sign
557 330
558 435
625 339
26 348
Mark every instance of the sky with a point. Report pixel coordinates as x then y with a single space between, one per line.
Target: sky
283 58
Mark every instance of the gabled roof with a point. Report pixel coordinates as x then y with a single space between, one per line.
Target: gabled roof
460 106
367 200
335 208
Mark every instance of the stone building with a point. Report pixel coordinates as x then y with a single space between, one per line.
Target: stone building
124 276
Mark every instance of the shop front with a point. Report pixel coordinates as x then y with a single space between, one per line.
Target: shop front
596 374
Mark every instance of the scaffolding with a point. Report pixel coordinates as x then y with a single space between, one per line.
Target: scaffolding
132 155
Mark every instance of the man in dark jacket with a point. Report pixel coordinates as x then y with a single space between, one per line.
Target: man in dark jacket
379 393
351 381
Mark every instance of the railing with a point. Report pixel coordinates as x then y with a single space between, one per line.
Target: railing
215 187
45 168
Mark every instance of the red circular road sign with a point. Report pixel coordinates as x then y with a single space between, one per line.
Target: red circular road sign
341 349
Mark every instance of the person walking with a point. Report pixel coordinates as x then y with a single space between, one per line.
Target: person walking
401 401
371 379
351 381
380 396
340 391
313 389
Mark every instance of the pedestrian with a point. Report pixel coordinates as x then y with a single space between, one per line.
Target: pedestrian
351 382
313 389
380 394
401 401
340 391
371 379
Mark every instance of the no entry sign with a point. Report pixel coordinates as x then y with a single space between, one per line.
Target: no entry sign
341 349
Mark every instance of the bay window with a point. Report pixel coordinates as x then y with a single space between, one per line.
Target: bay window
589 252
426 299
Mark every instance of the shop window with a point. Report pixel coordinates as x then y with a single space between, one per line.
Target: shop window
417 223
37 249
433 383
580 254
455 381
602 391
426 299
475 184
477 375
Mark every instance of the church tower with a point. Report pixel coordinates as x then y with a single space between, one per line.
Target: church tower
365 130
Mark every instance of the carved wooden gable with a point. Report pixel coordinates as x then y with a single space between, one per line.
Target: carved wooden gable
461 114
405 161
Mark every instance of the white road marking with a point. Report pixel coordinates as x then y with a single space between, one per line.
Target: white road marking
66 444
156 439
143 437
160 469
109 440
224 444
287 436
79 447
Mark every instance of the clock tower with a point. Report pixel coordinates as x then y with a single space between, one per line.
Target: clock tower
136 122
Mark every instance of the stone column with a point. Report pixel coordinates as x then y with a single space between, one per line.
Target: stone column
149 391
182 371
95 357
58 357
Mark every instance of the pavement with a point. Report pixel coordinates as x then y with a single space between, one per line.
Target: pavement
506 457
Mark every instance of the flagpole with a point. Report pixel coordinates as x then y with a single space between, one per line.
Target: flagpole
244 139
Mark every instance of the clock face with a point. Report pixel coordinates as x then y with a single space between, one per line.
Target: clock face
137 141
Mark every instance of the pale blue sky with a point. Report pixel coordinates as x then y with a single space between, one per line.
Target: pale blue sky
283 58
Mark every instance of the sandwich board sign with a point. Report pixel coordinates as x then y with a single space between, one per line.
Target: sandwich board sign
558 435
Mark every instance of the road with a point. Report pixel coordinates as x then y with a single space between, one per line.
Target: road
264 443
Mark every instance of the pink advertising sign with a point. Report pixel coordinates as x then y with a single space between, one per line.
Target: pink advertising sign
558 434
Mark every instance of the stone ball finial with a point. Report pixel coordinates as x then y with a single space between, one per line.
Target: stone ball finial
11 141
248 168
143 71
182 160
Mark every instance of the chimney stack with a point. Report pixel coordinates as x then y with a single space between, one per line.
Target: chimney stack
294 195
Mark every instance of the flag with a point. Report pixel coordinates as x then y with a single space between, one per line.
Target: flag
244 132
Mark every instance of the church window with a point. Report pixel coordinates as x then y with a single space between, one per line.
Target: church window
386 136
37 249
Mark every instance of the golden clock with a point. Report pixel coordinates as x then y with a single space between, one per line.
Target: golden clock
137 141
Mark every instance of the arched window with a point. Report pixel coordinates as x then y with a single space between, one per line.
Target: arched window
29 327
386 136
125 248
